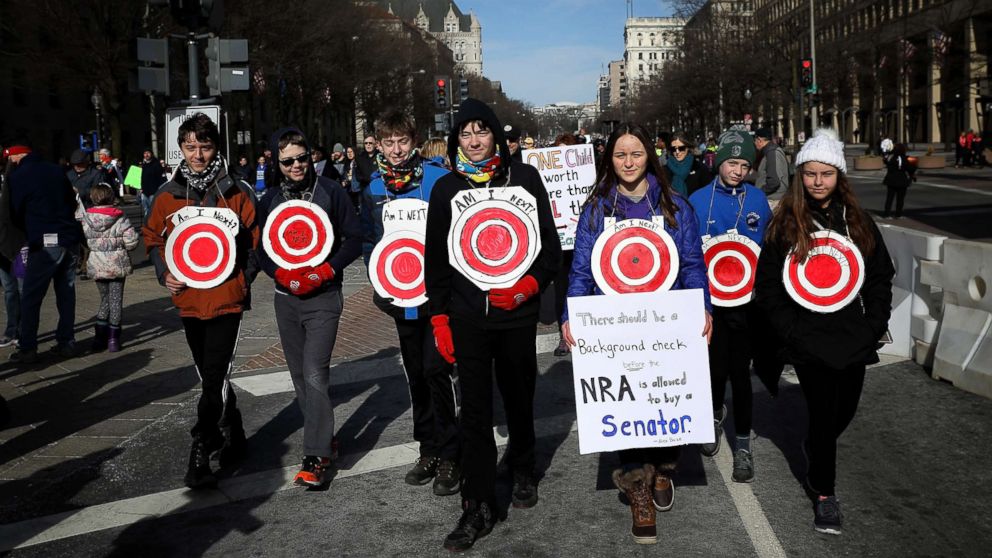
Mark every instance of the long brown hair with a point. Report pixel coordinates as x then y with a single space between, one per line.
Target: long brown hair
792 222
606 176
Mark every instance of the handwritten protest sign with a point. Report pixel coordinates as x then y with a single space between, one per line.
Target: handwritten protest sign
568 172
133 178
641 370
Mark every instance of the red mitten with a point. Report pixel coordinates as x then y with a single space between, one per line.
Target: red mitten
508 299
304 280
284 277
442 337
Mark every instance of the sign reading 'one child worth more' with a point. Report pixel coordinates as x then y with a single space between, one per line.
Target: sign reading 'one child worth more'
641 370
568 172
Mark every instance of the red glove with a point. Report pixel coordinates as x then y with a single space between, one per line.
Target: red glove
304 280
508 299
442 337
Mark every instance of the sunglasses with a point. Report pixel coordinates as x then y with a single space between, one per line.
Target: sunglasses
679 149
370 143
302 159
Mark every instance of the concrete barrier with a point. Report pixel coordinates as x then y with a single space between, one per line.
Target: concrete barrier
964 345
915 311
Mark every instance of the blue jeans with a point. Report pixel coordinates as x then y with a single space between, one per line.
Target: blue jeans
56 264
146 206
12 303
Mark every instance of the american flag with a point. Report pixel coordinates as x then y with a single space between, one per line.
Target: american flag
908 49
941 43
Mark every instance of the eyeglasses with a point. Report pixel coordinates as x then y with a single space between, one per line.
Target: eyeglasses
370 143
302 159
679 148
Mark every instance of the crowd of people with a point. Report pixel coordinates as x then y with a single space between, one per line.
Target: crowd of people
47 214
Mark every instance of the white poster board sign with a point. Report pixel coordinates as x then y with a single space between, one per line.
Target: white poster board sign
174 118
641 370
396 267
569 173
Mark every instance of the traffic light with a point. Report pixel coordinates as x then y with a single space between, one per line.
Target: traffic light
806 73
441 92
221 79
195 14
463 89
153 74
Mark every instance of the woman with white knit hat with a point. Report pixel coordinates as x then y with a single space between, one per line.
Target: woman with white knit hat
825 280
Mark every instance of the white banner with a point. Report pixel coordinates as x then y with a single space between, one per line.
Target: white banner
641 370
569 172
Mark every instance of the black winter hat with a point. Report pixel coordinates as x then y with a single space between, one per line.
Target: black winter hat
79 157
470 111
274 138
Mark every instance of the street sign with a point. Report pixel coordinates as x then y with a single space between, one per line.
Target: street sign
153 77
174 118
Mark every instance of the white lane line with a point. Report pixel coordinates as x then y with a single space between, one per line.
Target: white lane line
265 384
934 185
763 538
132 510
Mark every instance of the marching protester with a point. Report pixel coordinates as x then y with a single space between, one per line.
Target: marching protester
42 207
211 317
773 170
110 238
404 174
829 346
685 172
632 185
151 179
83 175
308 300
513 141
436 150
899 174
560 290
11 263
480 329
729 204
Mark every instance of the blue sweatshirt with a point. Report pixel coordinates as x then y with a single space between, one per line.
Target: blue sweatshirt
726 205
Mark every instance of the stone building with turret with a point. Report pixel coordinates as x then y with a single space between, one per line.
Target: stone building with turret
444 20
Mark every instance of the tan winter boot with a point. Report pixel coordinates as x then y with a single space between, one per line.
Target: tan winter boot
637 485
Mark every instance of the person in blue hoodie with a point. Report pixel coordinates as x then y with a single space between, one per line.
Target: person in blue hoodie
402 173
308 301
632 185
728 203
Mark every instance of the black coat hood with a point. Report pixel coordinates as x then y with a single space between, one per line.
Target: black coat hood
474 109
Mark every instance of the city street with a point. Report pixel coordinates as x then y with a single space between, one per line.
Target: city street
92 463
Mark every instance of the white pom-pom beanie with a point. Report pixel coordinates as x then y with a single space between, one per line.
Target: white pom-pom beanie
823 147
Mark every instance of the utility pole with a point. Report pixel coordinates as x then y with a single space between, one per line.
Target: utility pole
814 116
194 69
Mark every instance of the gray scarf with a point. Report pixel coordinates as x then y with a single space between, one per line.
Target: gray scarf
201 180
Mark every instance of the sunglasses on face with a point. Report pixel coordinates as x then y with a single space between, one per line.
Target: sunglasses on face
302 159
679 148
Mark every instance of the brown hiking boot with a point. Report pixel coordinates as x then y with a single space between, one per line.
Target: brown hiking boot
663 492
636 485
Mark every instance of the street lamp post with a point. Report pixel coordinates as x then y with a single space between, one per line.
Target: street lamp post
97 100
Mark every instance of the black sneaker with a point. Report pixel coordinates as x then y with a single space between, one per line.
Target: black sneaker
827 517
24 356
743 466
709 450
524 490
448 480
234 449
198 473
476 522
313 472
422 471
64 350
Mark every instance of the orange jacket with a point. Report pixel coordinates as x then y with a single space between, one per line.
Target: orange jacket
231 296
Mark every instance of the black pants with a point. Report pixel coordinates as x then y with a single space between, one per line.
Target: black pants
213 343
900 196
561 282
730 357
432 394
831 399
514 353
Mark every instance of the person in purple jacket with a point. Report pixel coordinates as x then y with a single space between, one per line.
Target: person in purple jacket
632 185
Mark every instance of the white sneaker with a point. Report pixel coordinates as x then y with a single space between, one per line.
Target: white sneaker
7 341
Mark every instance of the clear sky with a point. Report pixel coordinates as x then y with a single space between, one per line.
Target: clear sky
546 51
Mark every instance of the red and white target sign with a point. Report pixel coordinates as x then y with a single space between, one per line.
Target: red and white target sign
831 276
297 234
396 267
731 260
634 256
200 252
494 236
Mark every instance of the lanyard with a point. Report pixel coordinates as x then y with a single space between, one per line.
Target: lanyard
847 230
740 200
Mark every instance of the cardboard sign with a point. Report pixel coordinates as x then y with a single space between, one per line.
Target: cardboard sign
494 236
396 267
830 278
731 261
634 256
201 252
641 370
298 234
569 173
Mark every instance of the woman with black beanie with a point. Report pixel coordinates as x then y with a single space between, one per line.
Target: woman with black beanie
482 327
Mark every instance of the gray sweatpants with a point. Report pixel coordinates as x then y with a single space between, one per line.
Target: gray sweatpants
308 328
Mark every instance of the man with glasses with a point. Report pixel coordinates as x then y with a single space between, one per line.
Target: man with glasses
364 168
211 317
773 170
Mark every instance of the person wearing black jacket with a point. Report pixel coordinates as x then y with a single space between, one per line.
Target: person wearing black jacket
899 174
308 300
364 167
829 348
479 328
